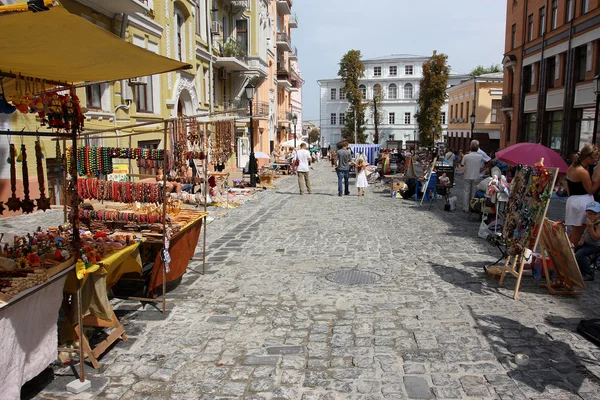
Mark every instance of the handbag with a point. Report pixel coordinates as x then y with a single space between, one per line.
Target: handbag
297 162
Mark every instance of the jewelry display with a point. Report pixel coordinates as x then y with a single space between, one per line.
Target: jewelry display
43 203
27 205
14 203
123 192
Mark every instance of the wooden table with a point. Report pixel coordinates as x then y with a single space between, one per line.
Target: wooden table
393 179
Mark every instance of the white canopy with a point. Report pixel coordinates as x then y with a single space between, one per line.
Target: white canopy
290 143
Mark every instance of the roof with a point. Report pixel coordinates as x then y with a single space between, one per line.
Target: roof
493 75
397 56
76 50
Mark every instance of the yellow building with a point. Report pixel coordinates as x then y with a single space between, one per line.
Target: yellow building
229 43
474 113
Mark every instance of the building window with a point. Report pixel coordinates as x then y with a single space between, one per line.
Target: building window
542 21
333 120
408 91
554 14
179 32
392 118
585 126
462 109
530 28
451 110
377 71
377 91
393 70
580 63
342 94
496 106
530 128
241 31
568 10
513 37
333 94
467 114
94 96
443 118
143 96
555 119
343 118
363 91
527 79
407 118
585 6
408 70
550 71
392 91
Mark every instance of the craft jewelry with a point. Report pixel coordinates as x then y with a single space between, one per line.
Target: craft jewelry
42 203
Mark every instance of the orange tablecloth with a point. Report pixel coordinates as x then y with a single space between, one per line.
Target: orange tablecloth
182 249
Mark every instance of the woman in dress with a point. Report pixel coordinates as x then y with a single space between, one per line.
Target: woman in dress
580 189
361 176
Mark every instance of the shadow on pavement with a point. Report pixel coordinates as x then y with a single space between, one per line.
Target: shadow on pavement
306 194
461 279
552 363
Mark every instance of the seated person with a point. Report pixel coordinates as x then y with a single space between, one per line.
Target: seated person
590 244
444 181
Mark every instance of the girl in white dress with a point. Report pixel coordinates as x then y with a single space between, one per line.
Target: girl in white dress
361 177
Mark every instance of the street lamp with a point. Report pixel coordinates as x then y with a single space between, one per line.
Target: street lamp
472 117
252 168
597 93
295 121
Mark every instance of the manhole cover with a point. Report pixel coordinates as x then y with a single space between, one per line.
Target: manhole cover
353 277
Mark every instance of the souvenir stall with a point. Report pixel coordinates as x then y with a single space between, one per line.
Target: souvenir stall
35 267
527 206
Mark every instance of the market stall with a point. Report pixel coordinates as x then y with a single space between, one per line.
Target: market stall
77 55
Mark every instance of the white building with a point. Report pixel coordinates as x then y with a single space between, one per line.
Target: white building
296 94
398 77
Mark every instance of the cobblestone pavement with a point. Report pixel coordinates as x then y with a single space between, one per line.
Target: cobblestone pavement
266 323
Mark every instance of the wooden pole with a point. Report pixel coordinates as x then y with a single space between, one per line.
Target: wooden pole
164 216
206 186
81 333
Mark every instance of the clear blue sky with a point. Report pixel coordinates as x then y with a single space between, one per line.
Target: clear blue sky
470 32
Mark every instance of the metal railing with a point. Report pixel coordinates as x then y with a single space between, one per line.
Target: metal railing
242 107
294 19
283 75
283 37
294 52
285 115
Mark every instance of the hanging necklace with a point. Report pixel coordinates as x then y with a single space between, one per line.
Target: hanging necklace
14 203
27 204
42 203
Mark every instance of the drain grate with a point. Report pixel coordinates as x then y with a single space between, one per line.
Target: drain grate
353 277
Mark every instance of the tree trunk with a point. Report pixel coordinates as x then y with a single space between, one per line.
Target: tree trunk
376 135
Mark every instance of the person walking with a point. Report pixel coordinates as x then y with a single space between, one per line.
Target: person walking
303 167
343 158
471 177
580 189
361 176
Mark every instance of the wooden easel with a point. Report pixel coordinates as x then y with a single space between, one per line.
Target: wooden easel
426 183
520 259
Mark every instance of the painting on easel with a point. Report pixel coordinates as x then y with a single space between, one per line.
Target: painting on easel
530 194
555 243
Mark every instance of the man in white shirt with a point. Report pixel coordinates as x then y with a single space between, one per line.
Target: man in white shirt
485 156
303 157
472 162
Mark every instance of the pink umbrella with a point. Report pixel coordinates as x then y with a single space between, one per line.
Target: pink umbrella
530 154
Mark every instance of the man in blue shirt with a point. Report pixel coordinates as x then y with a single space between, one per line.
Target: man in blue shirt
343 157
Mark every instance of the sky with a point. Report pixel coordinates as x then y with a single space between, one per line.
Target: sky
469 32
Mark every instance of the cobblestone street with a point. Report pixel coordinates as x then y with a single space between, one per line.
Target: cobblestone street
265 322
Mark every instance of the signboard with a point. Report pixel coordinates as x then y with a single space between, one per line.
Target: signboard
119 173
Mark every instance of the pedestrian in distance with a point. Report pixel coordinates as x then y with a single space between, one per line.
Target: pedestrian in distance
343 158
590 244
471 177
361 176
303 161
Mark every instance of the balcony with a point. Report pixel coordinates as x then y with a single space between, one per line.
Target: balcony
112 7
283 42
296 85
240 5
284 7
284 78
293 21
242 108
284 117
294 53
507 101
232 57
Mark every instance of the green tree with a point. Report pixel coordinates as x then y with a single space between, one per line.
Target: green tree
351 71
481 70
432 96
314 136
376 106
